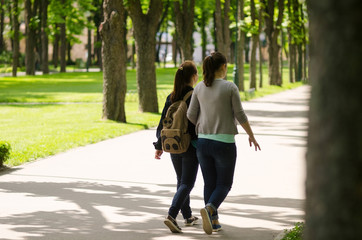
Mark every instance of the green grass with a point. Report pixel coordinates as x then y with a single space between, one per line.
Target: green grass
49 114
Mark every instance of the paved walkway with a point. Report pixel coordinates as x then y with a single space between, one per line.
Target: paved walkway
116 190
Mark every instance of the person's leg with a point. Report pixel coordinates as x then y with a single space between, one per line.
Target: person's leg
190 167
181 200
224 155
177 165
207 167
170 220
225 160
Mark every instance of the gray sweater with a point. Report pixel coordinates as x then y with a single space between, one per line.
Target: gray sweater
215 109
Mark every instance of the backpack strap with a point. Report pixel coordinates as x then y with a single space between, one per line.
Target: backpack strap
188 95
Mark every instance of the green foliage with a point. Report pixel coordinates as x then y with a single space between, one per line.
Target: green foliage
76 16
296 233
6 57
4 152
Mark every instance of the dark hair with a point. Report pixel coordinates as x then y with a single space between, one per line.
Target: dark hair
182 78
211 64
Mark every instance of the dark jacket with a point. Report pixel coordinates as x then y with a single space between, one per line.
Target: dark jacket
191 126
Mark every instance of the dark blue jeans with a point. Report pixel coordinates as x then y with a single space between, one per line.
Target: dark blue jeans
186 166
217 162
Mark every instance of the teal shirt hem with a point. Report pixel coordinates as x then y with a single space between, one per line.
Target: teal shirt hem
226 138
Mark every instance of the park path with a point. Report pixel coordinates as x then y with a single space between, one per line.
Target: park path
116 190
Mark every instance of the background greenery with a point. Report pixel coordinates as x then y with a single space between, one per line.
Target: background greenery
48 114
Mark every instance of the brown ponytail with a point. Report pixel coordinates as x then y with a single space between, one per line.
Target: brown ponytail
182 78
211 64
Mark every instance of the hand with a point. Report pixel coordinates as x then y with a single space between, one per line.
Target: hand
253 141
158 154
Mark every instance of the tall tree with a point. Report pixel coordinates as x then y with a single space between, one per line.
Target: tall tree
240 45
298 40
185 27
254 40
2 16
114 57
272 30
334 156
56 39
97 19
44 36
63 38
222 22
145 27
30 32
260 18
161 28
203 11
304 41
16 37
291 42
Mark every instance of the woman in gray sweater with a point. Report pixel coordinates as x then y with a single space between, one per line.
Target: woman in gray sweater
215 106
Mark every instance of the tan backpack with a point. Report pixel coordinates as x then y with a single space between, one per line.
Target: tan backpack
175 137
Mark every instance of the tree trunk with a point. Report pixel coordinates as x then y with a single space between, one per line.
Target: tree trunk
304 45
272 31
89 49
298 47
203 34
30 32
133 55
174 49
218 27
16 47
114 59
226 30
281 54
63 43
69 53
98 19
299 63
185 25
38 41
145 26
260 47
98 50
240 44
334 156
44 37
56 48
255 38
2 16
222 22
164 19
10 23
290 43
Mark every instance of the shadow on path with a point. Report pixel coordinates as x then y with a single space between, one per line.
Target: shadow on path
84 210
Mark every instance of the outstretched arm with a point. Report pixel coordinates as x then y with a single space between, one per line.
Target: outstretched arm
252 139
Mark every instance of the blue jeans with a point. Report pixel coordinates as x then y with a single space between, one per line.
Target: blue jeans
186 166
217 162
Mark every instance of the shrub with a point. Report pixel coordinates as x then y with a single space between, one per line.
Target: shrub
4 152
296 233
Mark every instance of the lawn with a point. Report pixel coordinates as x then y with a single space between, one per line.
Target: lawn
45 115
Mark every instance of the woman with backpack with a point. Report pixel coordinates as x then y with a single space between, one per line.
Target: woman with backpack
186 163
214 106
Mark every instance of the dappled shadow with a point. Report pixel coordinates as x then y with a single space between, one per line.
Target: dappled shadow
84 210
277 114
295 102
